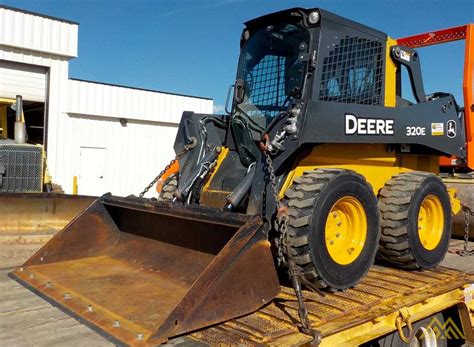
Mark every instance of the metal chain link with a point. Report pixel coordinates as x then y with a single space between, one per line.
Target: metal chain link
177 157
281 224
271 173
465 252
295 273
283 229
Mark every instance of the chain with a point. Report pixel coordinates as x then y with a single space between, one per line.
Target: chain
281 223
271 173
467 214
294 272
177 157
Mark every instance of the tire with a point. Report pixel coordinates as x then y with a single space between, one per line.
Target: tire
169 187
408 240
311 199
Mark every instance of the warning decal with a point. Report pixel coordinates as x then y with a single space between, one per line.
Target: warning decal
437 129
405 55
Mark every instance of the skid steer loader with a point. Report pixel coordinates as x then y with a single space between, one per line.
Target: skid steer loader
318 166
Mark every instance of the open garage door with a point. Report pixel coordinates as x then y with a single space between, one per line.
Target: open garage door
22 164
21 79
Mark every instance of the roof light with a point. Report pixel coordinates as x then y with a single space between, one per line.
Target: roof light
313 17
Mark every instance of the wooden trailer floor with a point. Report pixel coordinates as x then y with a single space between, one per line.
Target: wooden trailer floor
28 320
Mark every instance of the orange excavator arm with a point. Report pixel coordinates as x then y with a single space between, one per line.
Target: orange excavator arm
463 32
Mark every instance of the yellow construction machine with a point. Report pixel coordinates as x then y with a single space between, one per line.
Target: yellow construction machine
22 164
319 166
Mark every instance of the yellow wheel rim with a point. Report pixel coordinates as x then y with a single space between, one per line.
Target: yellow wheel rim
430 222
346 230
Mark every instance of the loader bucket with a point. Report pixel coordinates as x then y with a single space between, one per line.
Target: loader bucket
143 272
36 217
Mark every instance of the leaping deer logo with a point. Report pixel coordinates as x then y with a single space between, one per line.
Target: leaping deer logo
451 129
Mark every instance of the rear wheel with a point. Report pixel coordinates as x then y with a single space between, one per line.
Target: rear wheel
334 226
169 187
416 220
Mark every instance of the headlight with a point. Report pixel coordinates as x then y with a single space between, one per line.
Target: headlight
313 17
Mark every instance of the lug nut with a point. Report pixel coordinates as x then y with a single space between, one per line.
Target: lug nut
331 242
116 324
140 336
338 234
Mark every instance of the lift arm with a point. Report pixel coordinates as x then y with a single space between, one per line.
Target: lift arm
463 32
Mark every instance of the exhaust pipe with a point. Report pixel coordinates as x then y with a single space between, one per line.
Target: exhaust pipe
20 128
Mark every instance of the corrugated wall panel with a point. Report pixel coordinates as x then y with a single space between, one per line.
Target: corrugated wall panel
135 154
103 100
27 31
27 57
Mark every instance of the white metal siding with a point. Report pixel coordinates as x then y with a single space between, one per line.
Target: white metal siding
36 33
20 79
85 114
135 154
112 101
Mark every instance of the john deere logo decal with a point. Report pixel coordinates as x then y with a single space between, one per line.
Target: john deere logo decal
451 129
446 330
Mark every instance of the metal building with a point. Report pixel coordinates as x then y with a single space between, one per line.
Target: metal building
111 138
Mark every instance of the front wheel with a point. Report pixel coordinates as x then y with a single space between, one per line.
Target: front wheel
333 230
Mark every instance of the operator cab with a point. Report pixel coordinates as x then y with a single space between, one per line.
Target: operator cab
270 77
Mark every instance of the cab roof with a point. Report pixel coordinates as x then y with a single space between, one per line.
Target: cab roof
326 16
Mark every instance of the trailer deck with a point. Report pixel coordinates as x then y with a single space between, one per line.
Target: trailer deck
369 309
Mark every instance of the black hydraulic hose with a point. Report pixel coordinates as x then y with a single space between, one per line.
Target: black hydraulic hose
215 120
239 192
201 168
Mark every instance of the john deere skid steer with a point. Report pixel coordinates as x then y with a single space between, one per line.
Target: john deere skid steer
318 166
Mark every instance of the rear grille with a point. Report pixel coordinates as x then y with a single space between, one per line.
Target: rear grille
23 168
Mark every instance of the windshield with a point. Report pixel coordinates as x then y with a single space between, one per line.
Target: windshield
271 70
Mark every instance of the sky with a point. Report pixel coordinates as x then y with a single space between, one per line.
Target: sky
192 46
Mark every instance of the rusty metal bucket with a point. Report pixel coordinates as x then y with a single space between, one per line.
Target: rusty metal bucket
36 217
144 272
